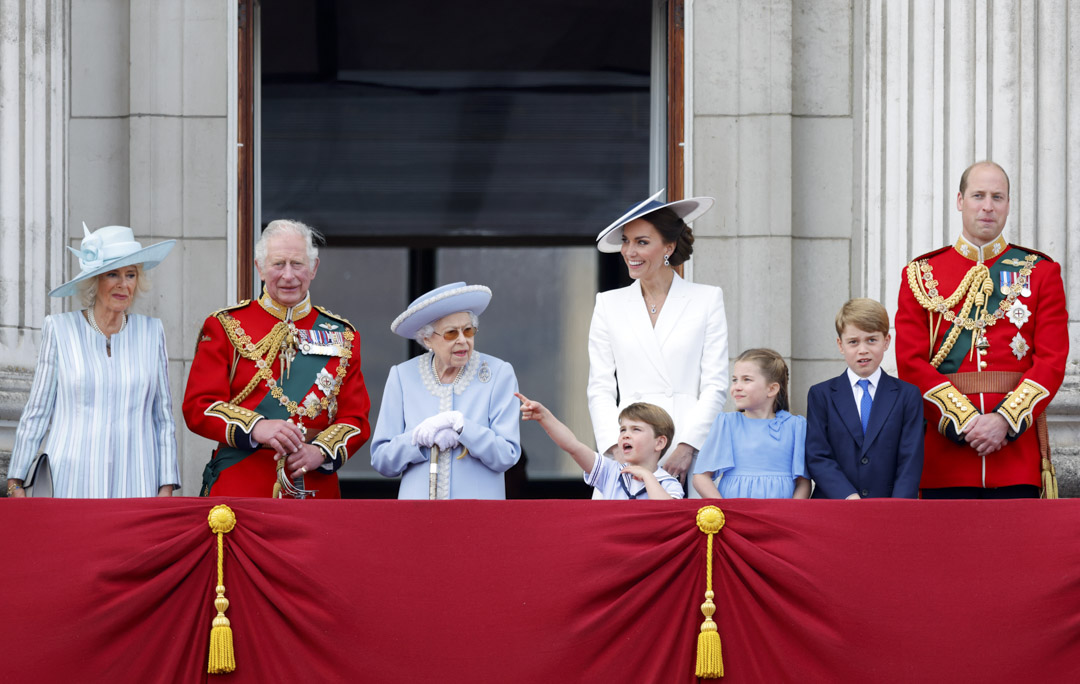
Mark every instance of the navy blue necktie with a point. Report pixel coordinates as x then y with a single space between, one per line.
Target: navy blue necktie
865 403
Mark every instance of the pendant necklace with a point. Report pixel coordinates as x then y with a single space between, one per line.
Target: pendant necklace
93 324
652 307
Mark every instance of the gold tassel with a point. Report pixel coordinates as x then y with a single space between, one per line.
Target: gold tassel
222 520
1049 480
710 661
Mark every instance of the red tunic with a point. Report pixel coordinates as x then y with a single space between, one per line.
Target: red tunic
211 409
1027 335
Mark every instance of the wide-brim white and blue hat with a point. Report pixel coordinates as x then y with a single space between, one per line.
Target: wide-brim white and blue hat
442 301
610 238
110 248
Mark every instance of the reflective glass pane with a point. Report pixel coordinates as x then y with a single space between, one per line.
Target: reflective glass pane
538 321
368 287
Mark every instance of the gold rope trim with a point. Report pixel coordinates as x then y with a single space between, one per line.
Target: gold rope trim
710 661
263 354
1049 475
975 289
221 660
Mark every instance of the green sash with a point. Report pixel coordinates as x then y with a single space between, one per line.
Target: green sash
300 380
953 361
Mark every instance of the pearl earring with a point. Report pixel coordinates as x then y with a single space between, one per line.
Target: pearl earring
666 262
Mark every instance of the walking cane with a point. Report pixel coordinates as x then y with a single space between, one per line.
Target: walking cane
433 474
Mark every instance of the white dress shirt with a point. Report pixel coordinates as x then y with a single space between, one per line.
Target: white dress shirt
857 391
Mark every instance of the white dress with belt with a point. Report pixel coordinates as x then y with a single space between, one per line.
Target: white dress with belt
680 365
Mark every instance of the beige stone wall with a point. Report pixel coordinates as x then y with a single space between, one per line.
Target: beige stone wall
773 141
140 118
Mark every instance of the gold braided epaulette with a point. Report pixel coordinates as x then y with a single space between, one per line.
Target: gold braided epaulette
340 319
955 407
1036 252
1019 404
975 290
238 305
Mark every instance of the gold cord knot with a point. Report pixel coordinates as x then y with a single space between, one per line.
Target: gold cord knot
221 519
710 519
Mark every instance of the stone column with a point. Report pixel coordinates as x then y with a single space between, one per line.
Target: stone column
32 138
742 139
949 83
773 138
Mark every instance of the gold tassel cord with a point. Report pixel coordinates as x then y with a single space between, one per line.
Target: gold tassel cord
710 661
1049 480
222 660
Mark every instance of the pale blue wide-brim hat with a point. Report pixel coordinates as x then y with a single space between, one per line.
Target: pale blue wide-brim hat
107 249
610 238
442 301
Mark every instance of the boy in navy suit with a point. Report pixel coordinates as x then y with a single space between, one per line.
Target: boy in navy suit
864 433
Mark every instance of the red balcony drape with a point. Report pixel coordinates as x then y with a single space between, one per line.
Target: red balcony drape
542 591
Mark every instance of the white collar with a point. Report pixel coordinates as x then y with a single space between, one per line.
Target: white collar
854 379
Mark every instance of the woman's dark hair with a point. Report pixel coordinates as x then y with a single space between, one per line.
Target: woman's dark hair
673 231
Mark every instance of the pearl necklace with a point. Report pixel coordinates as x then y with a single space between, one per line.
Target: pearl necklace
93 324
443 392
438 375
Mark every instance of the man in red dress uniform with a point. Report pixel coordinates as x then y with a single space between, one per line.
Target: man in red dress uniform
981 329
277 382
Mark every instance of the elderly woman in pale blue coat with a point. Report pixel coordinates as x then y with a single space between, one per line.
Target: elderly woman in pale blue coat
448 423
101 389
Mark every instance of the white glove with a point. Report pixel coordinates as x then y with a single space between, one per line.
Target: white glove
446 439
424 434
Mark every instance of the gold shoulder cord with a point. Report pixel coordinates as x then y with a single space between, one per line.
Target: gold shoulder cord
269 346
975 289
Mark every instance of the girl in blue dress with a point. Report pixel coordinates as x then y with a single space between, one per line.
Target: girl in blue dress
758 451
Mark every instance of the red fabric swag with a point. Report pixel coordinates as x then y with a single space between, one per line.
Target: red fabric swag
541 591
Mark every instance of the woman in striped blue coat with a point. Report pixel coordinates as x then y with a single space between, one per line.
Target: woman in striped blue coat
101 388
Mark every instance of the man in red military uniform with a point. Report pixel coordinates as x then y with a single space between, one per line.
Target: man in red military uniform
981 329
277 382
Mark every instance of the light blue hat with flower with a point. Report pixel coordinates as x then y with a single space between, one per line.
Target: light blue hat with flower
110 248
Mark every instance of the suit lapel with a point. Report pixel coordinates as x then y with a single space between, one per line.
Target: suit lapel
884 400
640 327
677 298
844 402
